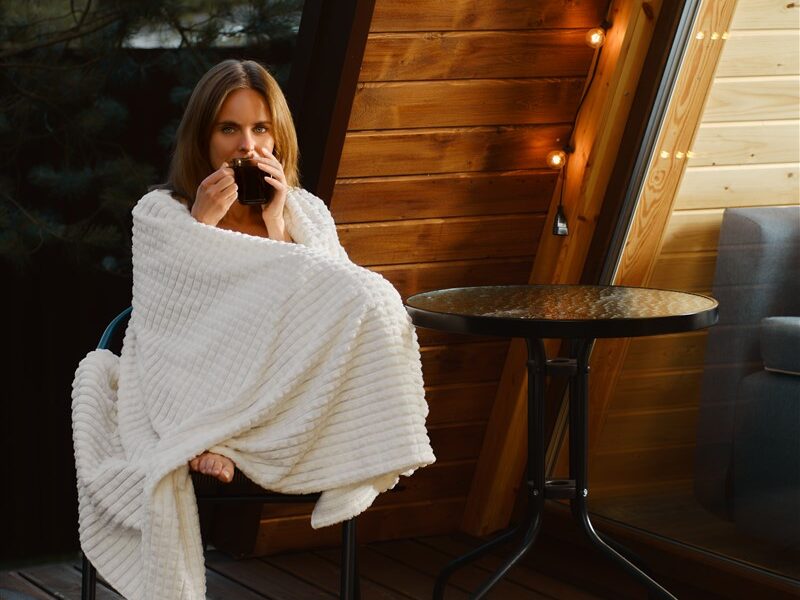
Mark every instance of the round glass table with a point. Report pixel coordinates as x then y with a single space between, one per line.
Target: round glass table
581 314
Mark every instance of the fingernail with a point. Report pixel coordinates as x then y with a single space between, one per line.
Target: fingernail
226 474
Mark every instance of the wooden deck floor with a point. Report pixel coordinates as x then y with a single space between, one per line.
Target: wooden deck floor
392 570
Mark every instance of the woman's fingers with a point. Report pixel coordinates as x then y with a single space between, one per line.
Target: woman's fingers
275 173
216 176
224 189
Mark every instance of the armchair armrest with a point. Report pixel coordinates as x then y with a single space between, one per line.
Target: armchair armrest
780 344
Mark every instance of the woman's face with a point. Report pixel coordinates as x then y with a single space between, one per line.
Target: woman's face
242 125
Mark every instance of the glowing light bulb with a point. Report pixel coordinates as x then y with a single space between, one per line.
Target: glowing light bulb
556 159
700 35
664 154
595 37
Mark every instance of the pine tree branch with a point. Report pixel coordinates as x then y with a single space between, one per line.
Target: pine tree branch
79 23
66 36
49 67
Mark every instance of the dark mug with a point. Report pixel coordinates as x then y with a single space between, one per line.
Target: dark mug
250 180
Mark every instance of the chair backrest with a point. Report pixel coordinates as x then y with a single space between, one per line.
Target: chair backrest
114 332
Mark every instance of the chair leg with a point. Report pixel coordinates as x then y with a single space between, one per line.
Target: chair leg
350 588
88 580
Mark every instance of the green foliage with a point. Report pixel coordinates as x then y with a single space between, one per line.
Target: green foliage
90 98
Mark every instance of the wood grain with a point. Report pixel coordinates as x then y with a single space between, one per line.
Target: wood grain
676 351
753 98
692 231
389 522
430 240
766 14
14 583
434 15
425 276
454 195
433 337
426 151
475 55
457 403
641 430
746 143
457 442
739 185
688 272
463 363
653 389
761 53
464 103
645 465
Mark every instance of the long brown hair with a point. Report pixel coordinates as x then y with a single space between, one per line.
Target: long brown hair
190 160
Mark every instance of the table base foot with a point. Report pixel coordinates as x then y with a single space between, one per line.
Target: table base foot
532 531
615 552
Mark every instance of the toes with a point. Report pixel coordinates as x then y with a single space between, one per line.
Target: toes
215 465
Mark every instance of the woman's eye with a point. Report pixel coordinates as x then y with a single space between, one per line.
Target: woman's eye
261 129
227 129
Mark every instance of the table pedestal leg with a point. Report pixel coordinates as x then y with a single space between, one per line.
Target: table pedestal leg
578 459
537 366
576 489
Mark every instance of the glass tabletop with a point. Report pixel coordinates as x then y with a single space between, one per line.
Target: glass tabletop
562 310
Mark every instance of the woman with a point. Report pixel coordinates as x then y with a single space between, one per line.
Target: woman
237 110
254 343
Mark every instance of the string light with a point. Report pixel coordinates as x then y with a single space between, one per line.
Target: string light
556 159
596 37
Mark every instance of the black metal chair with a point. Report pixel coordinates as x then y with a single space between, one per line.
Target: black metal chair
241 490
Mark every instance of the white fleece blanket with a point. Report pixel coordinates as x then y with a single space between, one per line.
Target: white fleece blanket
299 365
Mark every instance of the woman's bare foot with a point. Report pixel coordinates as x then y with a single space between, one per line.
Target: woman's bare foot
215 465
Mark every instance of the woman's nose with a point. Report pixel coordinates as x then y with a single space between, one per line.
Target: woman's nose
247 142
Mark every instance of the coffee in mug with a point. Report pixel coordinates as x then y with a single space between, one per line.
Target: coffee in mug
250 180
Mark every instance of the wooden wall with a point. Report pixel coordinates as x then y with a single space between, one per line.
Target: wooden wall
746 154
442 182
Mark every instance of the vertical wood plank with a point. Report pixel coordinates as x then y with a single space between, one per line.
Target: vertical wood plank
649 228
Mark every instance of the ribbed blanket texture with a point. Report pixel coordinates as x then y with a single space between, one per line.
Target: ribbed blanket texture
297 364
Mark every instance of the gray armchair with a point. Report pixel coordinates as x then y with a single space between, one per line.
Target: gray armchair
747 460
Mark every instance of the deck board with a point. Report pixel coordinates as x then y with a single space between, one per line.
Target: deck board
389 570
16 583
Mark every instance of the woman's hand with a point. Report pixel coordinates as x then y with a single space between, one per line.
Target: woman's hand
215 195
272 213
